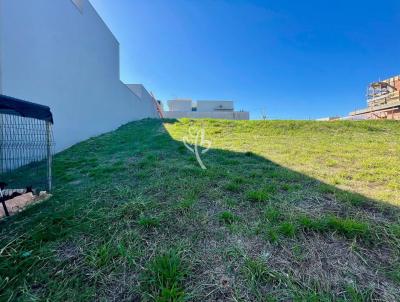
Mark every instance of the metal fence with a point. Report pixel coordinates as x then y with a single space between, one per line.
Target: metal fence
26 146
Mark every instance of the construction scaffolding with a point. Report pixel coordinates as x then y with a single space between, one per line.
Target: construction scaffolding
383 99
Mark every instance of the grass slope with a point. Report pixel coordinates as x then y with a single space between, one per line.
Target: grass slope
134 218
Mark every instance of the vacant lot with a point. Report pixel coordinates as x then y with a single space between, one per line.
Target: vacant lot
286 211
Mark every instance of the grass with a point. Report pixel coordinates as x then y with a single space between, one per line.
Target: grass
345 226
256 271
285 211
162 279
258 196
227 217
149 221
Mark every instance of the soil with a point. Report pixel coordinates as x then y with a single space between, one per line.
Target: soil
19 203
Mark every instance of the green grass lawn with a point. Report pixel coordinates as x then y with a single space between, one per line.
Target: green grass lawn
285 211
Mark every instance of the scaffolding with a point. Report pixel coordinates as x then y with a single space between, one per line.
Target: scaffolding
383 100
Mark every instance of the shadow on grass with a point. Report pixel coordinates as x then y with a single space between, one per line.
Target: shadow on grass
126 196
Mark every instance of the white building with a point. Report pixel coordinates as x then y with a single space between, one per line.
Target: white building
181 105
180 108
61 54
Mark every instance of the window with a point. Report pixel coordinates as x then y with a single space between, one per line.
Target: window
78 4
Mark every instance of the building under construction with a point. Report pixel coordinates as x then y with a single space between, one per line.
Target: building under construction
383 98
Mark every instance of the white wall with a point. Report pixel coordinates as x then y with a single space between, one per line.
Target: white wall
56 55
214 105
227 115
146 99
180 105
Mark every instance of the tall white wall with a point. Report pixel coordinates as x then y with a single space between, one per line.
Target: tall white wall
55 54
147 101
226 115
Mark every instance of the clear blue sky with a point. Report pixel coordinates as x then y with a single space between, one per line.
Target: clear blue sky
297 59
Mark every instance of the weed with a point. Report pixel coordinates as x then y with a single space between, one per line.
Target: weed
233 187
231 203
344 226
163 277
273 214
357 295
255 270
131 210
258 196
103 254
227 217
272 235
185 205
347 226
149 221
287 229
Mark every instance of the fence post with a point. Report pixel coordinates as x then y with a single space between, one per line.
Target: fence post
49 155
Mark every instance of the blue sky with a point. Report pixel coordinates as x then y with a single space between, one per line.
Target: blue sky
294 59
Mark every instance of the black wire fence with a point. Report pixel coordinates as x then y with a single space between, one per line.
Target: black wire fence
26 146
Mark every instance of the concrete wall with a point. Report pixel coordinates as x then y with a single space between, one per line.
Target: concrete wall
147 102
208 106
227 115
59 54
180 105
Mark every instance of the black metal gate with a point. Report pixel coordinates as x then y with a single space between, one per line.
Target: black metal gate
26 143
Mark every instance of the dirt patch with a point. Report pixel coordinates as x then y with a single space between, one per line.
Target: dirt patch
120 287
217 271
68 251
331 264
253 247
213 281
19 203
320 205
